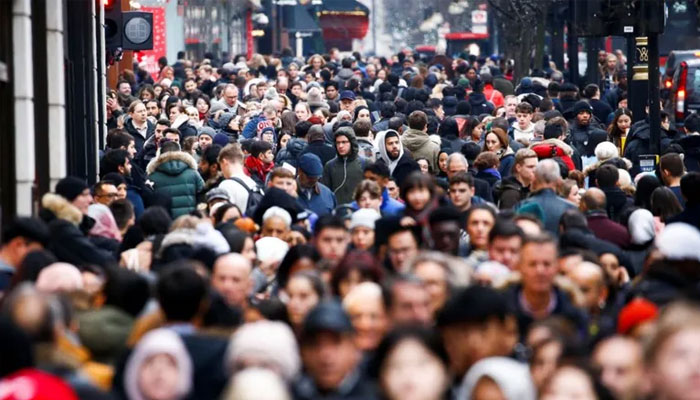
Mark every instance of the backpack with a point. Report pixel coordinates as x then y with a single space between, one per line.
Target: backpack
255 196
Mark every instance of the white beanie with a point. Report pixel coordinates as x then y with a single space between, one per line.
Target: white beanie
364 217
271 249
271 342
605 151
641 226
679 241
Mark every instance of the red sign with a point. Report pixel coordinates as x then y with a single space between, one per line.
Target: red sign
150 57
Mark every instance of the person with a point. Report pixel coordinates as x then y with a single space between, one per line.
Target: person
445 230
331 357
104 192
236 182
547 177
497 141
365 307
362 225
505 240
620 362
411 361
20 236
461 192
260 162
331 238
571 381
584 134
619 129
391 153
407 301
498 376
523 128
312 194
138 125
617 201
664 204
365 139
601 109
537 297
456 162
174 174
368 195
516 187
671 169
689 189
379 173
304 290
317 143
231 277
344 172
416 140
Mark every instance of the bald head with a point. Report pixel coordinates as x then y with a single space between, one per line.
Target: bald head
231 278
589 277
593 199
31 312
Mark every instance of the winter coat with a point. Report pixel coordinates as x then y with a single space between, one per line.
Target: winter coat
366 148
552 205
343 173
175 174
554 148
586 138
616 202
147 153
590 171
255 126
404 168
507 161
509 192
66 241
182 124
420 146
139 140
479 104
489 175
601 109
606 229
691 147
691 215
324 151
493 96
638 143
343 75
319 199
291 153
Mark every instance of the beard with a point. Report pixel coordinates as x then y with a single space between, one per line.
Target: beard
394 154
204 174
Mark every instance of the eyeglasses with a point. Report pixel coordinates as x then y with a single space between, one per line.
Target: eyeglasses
110 195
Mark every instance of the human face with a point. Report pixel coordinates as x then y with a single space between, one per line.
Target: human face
302 112
511 104
332 243
204 142
159 132
569 383
248 251
268 156
369 320
286 184
523 119
446 236
492 143
505 250
173 137
152 108
410 305
125 88
418 198
393 147
574 195
343 146
174 113
455 167
190 86
329 357
193 114
284 140
158 377
202 106
331 92
402 246
347 105
583 118
368 200
121 191
424 166
139 115
477 132
487 389
393 189
611 63
302 298
544 363
526 170
231 278
131 149
675 371
612 268
538 266
434 276
371 71
363 114
231 96
479 225
442 162
275 227
261 89
106 195
362 237
619 361
411 372
83 201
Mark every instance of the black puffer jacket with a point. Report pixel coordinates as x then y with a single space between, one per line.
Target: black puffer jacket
691 148
343 173
638 143
586 138
509 192
291 153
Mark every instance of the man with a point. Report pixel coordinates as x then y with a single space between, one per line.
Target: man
505 240
347 101
601 109
120 139
76 192
547 177
238 185
330 357
672 170
378 172
402 245
387 110
619 360
295 146
407 301
593 205
461 192
153 109
117 161
445 227
174 175
417 141
690 188
456 162
206 77
331 238
332 91
152 144
312 194
19 237
191 91
230 100
209 169
231 277
584 135
516 187
105 192
523 129
344 172
591 280
391 154
365 141
536 297
511 103
553 144
476 323
365 307
123 213
607 177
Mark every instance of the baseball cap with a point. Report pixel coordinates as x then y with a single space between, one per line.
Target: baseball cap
311 165
217 194
347 95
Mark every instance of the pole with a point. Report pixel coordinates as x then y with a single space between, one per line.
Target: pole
631 51
557 32
639 84
572 43
592 72
654 107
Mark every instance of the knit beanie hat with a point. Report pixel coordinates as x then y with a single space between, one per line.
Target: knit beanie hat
635 313
70 187
221 139
605 151
679 241
365 217
225 119
582 105
207 130
270 341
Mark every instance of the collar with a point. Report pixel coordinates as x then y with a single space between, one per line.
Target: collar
528 310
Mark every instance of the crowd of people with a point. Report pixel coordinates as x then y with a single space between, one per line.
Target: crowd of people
344 227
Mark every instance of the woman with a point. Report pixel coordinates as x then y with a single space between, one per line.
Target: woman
646 184
298 258
498 378
664 204
480 220
362 112
302 111
497 141
356 267
424 166
203 104
314 65
442 163
487 165
304 291
619 128
159 368
569 190
368 194
138 125
420 194
411 363
146 93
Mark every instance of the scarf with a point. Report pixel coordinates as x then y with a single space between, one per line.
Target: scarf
255 166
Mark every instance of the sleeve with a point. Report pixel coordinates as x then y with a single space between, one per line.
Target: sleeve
326 178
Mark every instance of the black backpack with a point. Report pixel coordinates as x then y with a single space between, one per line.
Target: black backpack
255 196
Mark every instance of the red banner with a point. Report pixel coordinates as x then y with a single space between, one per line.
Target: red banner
150 57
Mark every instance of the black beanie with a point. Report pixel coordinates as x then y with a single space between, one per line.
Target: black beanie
70 187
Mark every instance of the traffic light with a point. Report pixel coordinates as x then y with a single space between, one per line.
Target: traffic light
138 30
619 17
113 24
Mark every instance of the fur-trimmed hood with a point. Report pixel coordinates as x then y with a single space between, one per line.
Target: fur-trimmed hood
61 208
616 161
565 147
175 158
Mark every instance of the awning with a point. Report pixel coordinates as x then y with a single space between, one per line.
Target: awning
344 6
299 19
343 19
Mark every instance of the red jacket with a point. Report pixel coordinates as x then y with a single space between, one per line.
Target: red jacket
494 96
